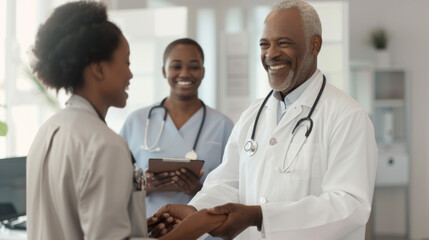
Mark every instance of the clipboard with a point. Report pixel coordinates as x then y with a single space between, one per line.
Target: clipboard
157 165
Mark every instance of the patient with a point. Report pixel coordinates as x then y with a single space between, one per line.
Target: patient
79 172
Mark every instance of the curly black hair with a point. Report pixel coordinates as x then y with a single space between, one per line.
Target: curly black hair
185 41
74 36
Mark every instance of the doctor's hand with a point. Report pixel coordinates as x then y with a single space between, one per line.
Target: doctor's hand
187 182
239 217
168 217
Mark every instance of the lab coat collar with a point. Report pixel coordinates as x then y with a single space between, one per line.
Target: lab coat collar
307 99
81 102
308 96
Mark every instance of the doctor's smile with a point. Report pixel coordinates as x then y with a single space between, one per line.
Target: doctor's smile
277 68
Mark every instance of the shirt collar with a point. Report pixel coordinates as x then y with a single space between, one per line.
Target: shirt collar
81 102
289 99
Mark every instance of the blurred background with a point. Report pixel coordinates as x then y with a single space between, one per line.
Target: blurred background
375 50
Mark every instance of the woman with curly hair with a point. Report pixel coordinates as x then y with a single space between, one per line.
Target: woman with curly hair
79 172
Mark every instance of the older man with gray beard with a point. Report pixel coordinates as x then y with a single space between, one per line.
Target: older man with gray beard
301 163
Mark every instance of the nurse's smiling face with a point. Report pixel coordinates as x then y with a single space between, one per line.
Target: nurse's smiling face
284 53
184 71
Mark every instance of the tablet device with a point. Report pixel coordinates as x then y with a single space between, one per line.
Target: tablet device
157 165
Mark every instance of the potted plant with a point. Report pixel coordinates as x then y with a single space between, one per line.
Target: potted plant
3 125
379 40
53 102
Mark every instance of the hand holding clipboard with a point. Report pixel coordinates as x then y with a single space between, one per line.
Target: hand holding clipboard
174 175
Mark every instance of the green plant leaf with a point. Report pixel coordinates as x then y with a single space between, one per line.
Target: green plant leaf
51 100
3 128
379 38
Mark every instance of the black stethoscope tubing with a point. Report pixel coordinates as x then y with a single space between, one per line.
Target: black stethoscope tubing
161 105
308 118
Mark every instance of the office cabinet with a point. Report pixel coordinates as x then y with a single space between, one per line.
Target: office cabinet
392 165
383 93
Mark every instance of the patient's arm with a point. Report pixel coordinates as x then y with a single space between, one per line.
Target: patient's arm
167 217
195 225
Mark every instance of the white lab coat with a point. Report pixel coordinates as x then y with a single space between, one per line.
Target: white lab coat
79 180
328 195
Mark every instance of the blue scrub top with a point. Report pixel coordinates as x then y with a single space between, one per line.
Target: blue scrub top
176 143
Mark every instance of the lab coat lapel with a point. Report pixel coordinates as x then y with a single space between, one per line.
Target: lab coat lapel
271 114
303 104
293 112
297 111
309 95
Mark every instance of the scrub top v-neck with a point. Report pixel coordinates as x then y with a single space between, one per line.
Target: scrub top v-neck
176 143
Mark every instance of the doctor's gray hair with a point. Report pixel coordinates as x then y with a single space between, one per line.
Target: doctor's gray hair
310 18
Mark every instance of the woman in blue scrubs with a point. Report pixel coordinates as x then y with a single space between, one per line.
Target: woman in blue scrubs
186 114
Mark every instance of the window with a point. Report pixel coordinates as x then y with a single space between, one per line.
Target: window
147 43
3 16
26 106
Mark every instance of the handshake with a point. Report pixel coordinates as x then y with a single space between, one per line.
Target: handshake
178 221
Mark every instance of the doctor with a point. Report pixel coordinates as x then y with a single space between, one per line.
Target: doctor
80 178
306 169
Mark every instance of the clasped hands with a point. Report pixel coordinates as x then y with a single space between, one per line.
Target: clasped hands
178 221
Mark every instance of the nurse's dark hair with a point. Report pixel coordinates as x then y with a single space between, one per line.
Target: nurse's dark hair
74 36
185 41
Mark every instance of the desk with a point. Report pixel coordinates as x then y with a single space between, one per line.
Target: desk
11 234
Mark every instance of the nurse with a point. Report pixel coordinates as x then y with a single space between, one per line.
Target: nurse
300 164
191 129
79 172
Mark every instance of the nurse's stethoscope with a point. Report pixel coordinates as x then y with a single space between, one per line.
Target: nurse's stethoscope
191 154
251 145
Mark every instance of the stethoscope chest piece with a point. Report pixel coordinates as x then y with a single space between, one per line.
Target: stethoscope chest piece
191 155
250 147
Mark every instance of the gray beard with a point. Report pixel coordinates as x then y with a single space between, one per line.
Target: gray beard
285 85
289 84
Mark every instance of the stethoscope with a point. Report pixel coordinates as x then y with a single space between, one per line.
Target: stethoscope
251 146
191 154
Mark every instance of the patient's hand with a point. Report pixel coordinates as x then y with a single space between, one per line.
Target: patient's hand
167 217
196 225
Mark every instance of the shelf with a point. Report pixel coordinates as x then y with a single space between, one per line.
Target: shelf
383 90
359 66
389 69
387 145
389 103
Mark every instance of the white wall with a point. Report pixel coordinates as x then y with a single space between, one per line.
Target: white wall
407 23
